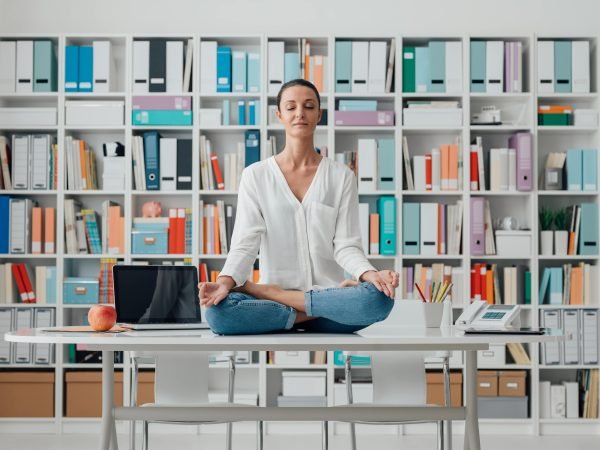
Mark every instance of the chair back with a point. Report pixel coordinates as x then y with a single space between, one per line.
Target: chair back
181 378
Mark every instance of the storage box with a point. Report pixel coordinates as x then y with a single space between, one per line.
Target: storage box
27 394
361 393
487 383
512 383
435 389
339 359
586 118
306 401
364 118
145 387
210 117
149 242
289 358
432 117
161 102
80 291
83 393
302 384
161 117
502 407
33 117
94 113
515 243
493 357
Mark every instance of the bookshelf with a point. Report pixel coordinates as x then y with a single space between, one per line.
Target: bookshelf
260 377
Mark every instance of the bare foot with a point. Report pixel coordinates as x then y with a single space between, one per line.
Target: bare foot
302 317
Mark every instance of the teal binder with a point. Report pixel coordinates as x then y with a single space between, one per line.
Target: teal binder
588 229
574 168
421 69
386 207
44 67
386 165
562 66
437 67
590 171
408 69
223 69
291 67
253 72
161 117
544 286
343 66
556 286
478 66
411 228
238 70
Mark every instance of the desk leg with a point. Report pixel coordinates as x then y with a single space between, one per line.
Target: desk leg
108 438
472 421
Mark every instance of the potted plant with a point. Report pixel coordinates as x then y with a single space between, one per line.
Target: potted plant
561 233
546 234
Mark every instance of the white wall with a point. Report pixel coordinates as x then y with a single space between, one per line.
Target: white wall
350 17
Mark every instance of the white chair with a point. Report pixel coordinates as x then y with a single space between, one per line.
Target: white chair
181 379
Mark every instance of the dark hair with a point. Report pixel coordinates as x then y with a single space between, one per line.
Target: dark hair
298 82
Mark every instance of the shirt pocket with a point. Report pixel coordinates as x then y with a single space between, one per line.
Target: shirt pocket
321 229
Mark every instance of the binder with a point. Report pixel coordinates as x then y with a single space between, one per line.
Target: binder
408 69
36 230
429 229
44 67
545 67
86 68
152 160
4 224
252 112
551 350
374 234
419 164
239 72
49 233
43 353
590 170
377 66
494 67
168 164
226 113
589 336
363 218
252 140
41 146
556 286
437 67
572 399
360 67
544 399
435 169
588 229
157 70
387 225
223 69
21 351
558 399
174 66
141 66
386 164
6 321
367 165
208 67
571 326
562 66
103 67
184 164
411 228
253 66
343 66
453 67
276 67
421 69
24 72
522 143
580 67
291 66
20 161
574 169
477 226
8 66
241 112
478 66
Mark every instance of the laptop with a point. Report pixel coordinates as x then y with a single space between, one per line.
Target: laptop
157 297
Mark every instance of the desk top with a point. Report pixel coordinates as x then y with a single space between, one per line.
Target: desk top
369 339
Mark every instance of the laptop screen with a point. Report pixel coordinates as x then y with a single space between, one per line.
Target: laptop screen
156 294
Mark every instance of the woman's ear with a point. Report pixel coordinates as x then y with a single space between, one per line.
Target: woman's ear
278 114
320 115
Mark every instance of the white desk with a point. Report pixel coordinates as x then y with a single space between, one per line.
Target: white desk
405 339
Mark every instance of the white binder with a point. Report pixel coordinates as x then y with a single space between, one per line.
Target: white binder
276 67
377 66
589 336
141 66
6 321
367 165
580 67
168 164
102 66
454 67
43 353
24 66
21 351
20 161
557 401
419 162
429 229
360 67
551 350
20 226
545 400
571 346
363 220
571 399
545 67
494 67
511 169
208 67
8 62
40 160
175 66
435 169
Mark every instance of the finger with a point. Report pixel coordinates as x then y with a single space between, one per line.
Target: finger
202 289
218 300
396 280
377 284
392 290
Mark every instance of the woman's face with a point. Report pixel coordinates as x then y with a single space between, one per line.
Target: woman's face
299 111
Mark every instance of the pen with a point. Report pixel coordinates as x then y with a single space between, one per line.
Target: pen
420 293
441 292
447 291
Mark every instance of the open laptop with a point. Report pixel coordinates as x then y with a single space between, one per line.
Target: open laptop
157 297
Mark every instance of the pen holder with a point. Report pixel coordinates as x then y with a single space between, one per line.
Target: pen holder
433 313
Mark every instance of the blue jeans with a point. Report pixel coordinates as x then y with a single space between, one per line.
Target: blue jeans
338 310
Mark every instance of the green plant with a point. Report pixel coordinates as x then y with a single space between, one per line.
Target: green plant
561 219
546 218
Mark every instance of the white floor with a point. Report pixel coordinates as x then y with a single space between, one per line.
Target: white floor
294 442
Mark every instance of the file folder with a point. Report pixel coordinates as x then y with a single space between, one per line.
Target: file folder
572 399
386 164
421 68
20 161
6 321
574 169
367 165
580 67
44 66
454 67
411 228
103 66
252 140
588 229
571 326
184 164
494 63
168 164
590 169
556 286
545 67
4 224
208 67
141 66
437 67
8 66
343 66
174 67
477 226
22 352
387 225
86 68
551 350
522 143
20 225
429 229
239 71
360 67
478 66
152 160
241 112
157 70
562 66
24 66
252 112
377 66
253 72
408 70
589 335
40 158
291 66
275 70
43 353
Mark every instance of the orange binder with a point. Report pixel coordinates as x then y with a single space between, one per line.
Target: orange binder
453 168
319 75
180 236
217 171
489 286
202 268
49 233
576 294
428 173
307 61
36 230
374 234
82 163
444 167
27 283
172 231
216 233
114 230
554 109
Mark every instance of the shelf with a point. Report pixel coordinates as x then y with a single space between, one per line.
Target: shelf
378 193
282 128
162 193
86 306
499 128
162 94
27 305
88 365
568 257
432 95
28 128
568 96
28 192
566 366
503 95
364 95
431 130
434 193
167 256
502 258
163 127
568 193
84 128
228 128
544 306
217 192
321 95
93 256
381 257
94 95
94 192
505 367
203 256
354 129
28 256
209 95
502 193
566 129
29 95
297 366
567 422
425 257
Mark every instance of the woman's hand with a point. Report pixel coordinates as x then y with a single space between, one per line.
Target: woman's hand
384 280
212 293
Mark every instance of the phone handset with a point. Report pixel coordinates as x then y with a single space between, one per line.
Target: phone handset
470 313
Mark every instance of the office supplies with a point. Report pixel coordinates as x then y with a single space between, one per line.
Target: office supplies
365 118
252 113
141 66
523 144
545 67
453 69
436 81
494 60
386 164
429 229
589 177
589 336
291 66
43 353
421 293
224 69
387 231
588 232
168 164
152 160
40 156
157 70
184 164
86 69
94 113
367 165
562 66
477 231
24 74
241 112
478 66
377 66
174 66
253 66
252 147
239 71
570 320
482 316
580 67
422 68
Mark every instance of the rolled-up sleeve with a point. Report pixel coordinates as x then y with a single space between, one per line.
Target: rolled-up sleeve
247 231
347 246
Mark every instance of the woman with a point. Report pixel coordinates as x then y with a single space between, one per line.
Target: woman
301 209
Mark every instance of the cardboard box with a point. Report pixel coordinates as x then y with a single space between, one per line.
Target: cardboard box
435 389
512 383
145 390
487 383
27 394
83 393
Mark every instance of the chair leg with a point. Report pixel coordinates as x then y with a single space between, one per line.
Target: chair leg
447 428
132 435
259 435
228 435
325 436
353 435
440 435
145 435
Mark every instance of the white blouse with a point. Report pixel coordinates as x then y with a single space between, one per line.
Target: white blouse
303 245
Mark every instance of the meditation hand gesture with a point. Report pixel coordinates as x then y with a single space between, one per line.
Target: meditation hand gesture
212 293
384 280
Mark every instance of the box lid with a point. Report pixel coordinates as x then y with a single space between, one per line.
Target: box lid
89 376
438 378
512 374
95 103
79 280
27 377
305 374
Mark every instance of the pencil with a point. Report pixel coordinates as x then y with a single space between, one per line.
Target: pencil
447 291
420 293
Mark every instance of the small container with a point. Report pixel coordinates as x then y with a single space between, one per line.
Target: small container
515 243
433 313
149 242
80 291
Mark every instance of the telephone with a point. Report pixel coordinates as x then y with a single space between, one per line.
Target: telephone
481 315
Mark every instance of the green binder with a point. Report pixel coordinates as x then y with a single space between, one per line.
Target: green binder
408 69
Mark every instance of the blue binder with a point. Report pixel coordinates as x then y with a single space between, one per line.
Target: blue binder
252 140
71 68
386 165
556 286
44 66
544 286
241 112
574 168
253 66
343 66
291 67
421 69
478 66
588 229
562 66
239 72
86 68
4 223
590 172
223 69
252 112
386 207
411 228
152 160
437 67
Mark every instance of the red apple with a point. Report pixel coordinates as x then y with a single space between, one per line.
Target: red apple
102 317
